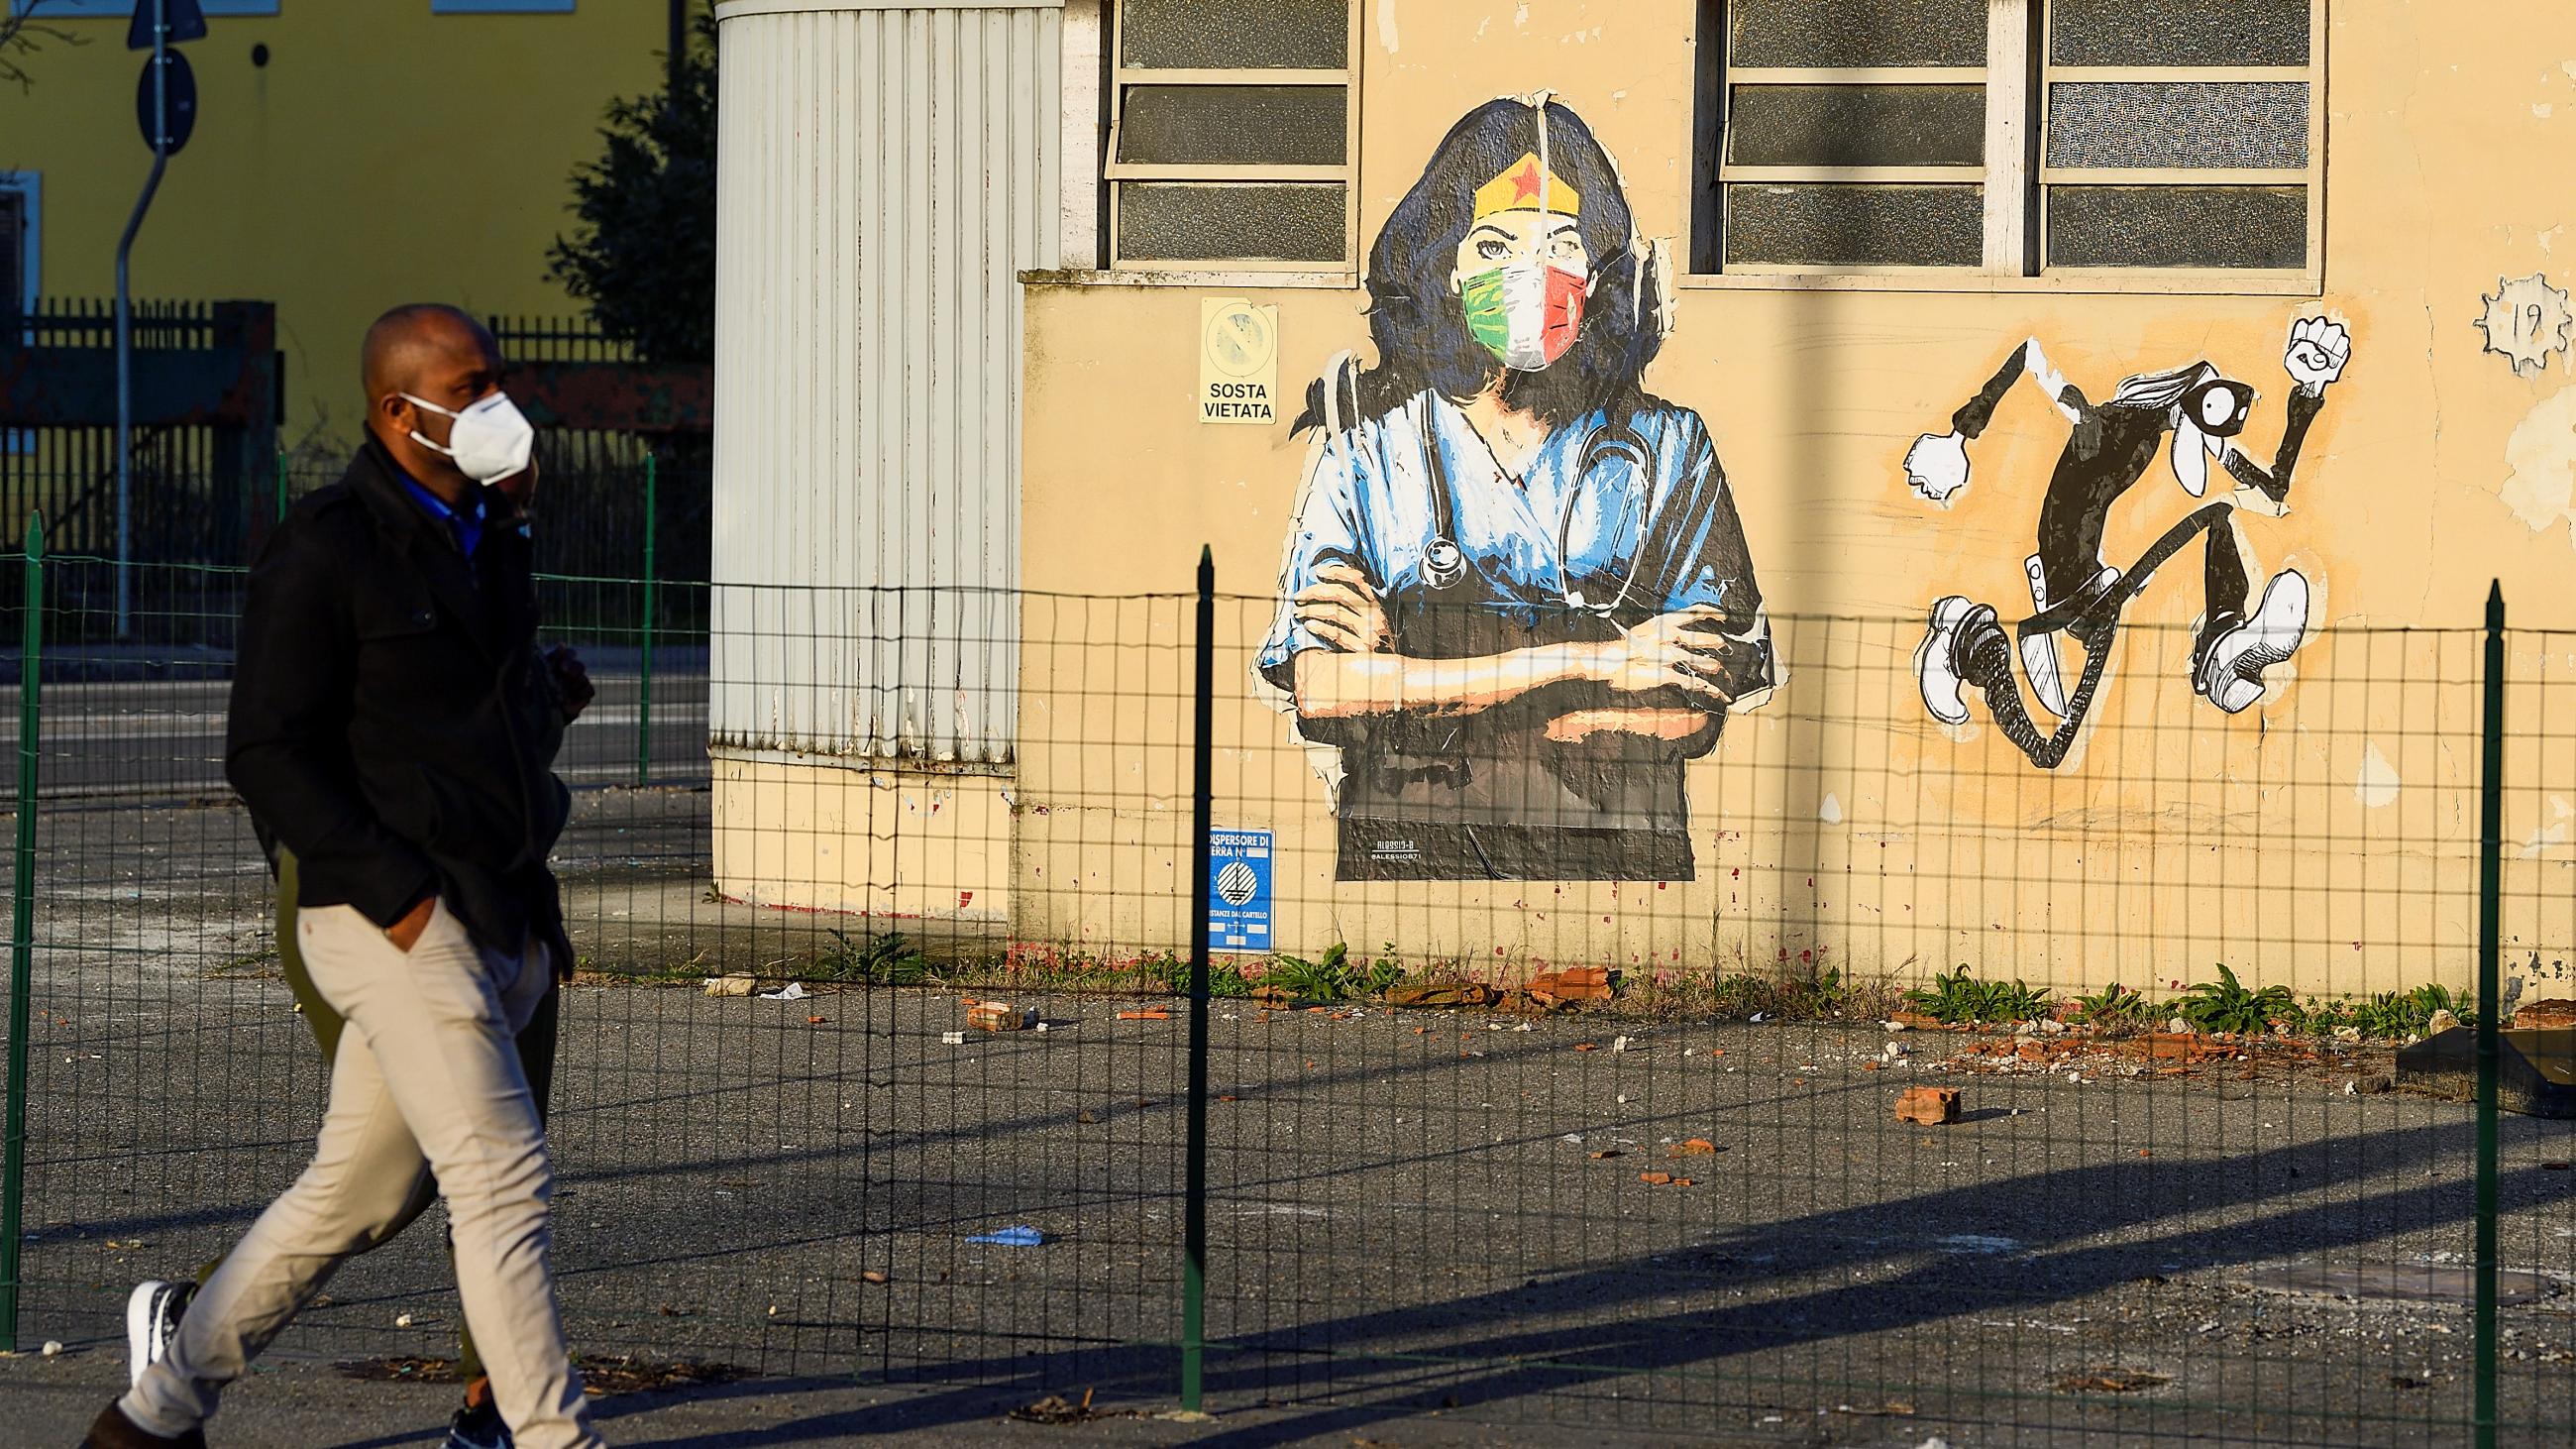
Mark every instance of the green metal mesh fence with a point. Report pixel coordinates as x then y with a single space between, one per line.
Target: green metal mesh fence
1573 1153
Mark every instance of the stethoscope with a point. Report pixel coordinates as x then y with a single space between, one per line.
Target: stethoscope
1444 563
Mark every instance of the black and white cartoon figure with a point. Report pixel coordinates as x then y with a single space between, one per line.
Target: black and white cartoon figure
2192 413
1515 597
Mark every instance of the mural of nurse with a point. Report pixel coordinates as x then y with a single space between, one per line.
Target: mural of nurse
1515 598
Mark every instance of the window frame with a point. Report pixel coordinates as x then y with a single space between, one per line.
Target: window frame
31 280
2020 67
31 239
1114 173
124 9
501 7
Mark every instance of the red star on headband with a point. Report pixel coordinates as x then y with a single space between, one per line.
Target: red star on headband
1525 183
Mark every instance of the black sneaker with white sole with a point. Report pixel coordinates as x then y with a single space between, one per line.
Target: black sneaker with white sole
152 1314
478 1426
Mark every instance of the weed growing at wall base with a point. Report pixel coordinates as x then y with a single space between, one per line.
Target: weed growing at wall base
1959 997
2113 1007
2228 1004
2391 1015
887 960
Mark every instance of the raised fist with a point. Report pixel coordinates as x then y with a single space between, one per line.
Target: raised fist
1937 467
2318 350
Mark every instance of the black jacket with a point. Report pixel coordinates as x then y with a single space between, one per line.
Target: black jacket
392 723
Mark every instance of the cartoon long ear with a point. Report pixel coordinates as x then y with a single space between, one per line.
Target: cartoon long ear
2190 460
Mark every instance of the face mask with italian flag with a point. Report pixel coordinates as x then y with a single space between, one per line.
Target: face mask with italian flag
1526 313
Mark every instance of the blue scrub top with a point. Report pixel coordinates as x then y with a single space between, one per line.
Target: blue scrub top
1625 540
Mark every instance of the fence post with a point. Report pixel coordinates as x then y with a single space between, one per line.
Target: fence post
2490 890
281 485
22 936
1194 1188
644 674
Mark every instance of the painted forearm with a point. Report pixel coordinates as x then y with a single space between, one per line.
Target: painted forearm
2274 483
1335 685
2028 360
1971 419
1653 724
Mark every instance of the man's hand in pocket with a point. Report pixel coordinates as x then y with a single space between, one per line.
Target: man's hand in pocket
405 933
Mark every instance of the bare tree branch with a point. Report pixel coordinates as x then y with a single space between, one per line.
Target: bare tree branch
21 37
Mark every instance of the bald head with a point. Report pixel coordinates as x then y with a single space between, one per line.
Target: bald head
431 353
413 340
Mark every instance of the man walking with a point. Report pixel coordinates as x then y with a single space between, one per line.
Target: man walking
153 1311
390 725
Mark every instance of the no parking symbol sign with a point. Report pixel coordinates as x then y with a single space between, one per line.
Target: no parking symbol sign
1239 890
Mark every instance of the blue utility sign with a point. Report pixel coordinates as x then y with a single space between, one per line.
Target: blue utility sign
1239 890
181 97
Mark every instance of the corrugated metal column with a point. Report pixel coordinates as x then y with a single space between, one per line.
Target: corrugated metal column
885 172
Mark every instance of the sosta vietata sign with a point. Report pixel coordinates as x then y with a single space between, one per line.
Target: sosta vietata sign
1238 361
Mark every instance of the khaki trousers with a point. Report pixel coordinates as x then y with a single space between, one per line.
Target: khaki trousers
536 1058
426 1079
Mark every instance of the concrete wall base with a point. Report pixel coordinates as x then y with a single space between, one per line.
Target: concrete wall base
875 838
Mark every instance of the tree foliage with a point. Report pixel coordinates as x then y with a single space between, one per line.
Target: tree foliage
644 255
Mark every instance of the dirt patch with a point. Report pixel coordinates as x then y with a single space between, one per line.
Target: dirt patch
2222 1059
1056 1409
603 1376
2110 1381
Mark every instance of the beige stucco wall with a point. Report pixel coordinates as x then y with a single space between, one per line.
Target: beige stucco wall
881 838
2179 837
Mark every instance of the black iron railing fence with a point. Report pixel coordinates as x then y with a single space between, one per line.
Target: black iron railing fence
624 499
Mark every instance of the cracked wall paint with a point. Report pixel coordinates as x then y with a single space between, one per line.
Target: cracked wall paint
2541 489
2377 784
2562 822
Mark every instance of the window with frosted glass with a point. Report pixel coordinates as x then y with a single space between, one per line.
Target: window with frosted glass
1230 133
2009 137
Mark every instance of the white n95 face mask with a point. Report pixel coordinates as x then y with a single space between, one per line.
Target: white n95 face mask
491 439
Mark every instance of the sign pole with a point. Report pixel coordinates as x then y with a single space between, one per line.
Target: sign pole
125 322
2490 1003
22 936
1194 1154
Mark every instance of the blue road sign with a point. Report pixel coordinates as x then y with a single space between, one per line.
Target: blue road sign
1239 890
182 100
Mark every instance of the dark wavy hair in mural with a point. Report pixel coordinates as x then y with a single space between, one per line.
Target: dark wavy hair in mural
1422 339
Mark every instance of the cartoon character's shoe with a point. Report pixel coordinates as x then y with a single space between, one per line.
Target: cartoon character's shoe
2231 665
1936 661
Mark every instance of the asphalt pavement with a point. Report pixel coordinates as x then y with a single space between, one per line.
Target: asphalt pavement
1423 1227
163 736
1418 1221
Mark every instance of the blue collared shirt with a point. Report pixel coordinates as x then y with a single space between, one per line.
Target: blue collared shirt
466 527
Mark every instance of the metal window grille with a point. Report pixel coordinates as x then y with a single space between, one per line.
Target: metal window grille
2031 138
13 247
1231 135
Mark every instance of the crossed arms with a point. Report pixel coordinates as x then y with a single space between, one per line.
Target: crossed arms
1359 675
